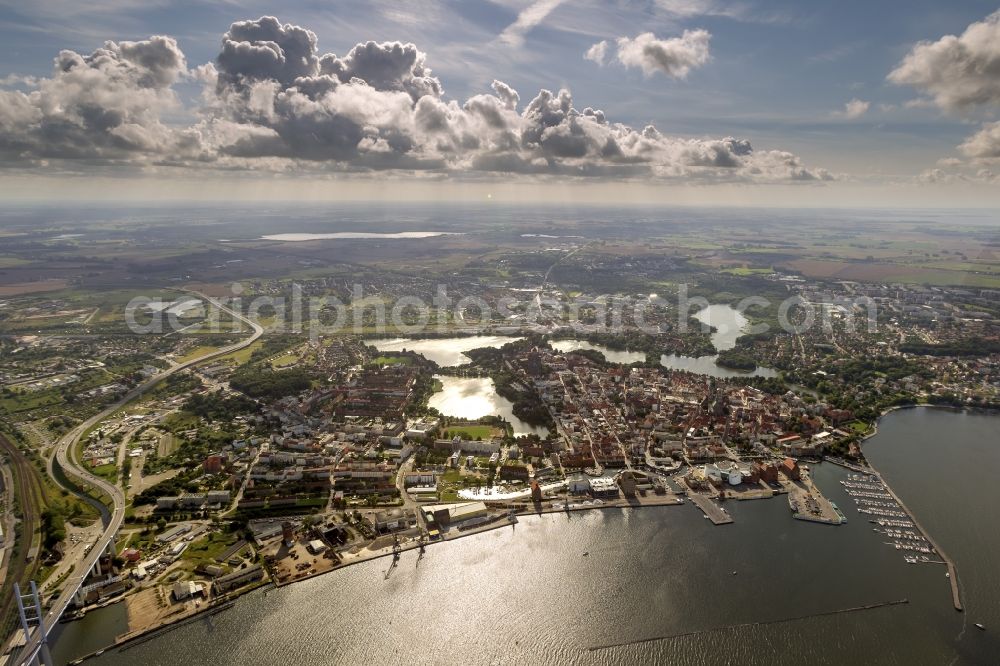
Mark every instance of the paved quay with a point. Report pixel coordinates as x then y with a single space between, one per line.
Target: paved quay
809 504
712 510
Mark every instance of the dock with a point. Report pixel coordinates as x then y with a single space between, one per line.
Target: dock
956 593
809 504
712 510
847 465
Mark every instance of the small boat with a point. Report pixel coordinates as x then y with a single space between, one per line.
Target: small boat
980 627
586 552
734 573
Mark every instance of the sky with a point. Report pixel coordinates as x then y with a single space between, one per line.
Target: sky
677 101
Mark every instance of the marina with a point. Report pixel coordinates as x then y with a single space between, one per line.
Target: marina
670 556
874 499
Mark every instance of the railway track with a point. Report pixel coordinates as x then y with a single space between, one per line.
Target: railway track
28 489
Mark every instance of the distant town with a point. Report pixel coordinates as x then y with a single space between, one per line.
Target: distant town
175 471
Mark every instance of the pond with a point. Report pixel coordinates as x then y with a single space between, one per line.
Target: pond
729 325
612 355
446 352
475 397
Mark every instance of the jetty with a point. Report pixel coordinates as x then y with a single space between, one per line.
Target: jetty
956 593
855 609
712 511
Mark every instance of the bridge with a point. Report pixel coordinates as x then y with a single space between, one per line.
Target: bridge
35 643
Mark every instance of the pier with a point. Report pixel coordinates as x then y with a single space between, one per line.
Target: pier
956 593
712 511
855 609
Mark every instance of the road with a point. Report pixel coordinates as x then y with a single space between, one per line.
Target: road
246 480
408 502
65 454
545 278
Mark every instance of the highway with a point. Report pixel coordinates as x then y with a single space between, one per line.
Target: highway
64 456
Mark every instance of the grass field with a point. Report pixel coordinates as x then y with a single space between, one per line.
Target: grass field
858 426
205 550
285 361
109 472
891 272
391 360
745 270
180 421
472 431
243 355
195 352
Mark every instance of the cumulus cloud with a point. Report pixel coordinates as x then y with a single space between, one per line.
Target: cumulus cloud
957 72
19 80
854 109
598 52
264 50
984 144
958 176
273 100
103 105
674 57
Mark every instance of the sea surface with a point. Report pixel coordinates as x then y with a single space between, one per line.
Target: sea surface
658 585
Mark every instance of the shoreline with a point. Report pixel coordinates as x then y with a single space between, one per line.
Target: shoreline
230 600
505 521
498 523
927 405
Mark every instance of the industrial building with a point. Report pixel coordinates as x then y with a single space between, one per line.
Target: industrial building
445 516
173 533
237 579
603 487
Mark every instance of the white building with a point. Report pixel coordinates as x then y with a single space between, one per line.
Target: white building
603 487
185 589
419 429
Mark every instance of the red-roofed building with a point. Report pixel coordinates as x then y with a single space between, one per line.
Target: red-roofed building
790 468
